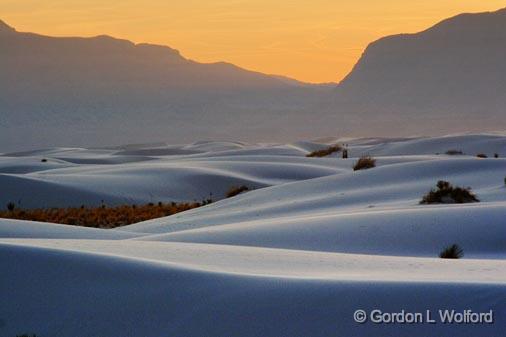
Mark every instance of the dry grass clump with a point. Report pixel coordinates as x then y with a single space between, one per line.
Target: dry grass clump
102 216
452 252
364 163
325 152
454 152
235 190
447 194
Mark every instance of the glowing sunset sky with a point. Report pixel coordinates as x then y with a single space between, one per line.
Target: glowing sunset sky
312 40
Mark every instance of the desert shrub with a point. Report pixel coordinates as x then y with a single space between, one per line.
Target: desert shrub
454 152
452 252
325 152
481 155
496 155
235 190
364 163
11 206
101 216
447 194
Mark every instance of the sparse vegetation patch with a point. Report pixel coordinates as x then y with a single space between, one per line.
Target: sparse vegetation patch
481 155
454 152
102 216
445 193
325 152
235 190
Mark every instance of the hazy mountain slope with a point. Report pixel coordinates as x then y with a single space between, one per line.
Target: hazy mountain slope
87 91
450 77
101 90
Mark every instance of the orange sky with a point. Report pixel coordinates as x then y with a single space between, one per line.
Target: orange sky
310 40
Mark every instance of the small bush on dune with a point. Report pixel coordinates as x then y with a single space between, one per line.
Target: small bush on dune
11 206
447 194
452 252
481 155
236 190
364 163
454 152
325 152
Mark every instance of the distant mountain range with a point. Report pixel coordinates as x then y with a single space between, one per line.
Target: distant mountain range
103 91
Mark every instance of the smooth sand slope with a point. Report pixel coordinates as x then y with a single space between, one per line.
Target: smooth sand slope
296 257
72 177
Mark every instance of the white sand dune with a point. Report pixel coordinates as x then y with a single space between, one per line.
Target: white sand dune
296 257
397 186
91 177
39 230
62 293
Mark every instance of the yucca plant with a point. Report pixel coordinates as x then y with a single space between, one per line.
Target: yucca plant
11 206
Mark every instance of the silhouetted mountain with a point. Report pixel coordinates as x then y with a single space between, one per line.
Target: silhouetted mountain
102 90
451 77
5 28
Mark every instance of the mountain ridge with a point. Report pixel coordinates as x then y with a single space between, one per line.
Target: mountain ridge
4 27
452 73
105 90
448 78
435 29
